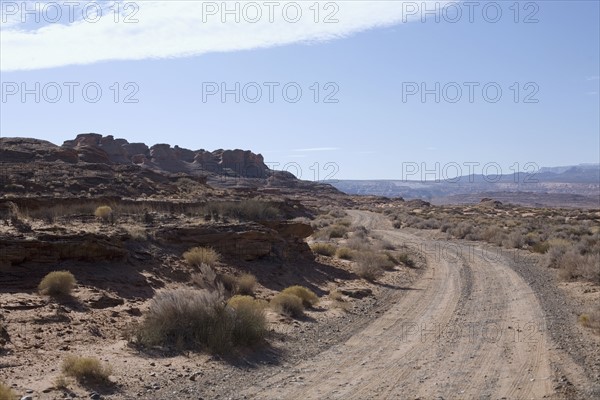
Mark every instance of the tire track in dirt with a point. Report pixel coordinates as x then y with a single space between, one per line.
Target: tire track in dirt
471 327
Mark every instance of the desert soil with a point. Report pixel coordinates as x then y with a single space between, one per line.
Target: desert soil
474 323
471 327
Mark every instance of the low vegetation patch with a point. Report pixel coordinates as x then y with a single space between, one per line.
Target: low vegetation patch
591 320
6 392
245 284
308 297
368 266
288 304
200 319
345 253
197 256
324 249
86 369
104 213
57 283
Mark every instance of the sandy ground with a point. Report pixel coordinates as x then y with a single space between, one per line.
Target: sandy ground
470 328
476 324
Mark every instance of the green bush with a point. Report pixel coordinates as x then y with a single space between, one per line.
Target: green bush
57 283
308 297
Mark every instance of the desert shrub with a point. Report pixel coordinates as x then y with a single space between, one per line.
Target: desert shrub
357 243
288 304
386 245
229 281
324 249
57 283
308 297
405 259
197 256
493 234
338 213
540 247
573 265
514 240
246 284
208 279
250 323
461 230
360 232
196 319
345 253
6 392
337 231
105 213
368 266
337 299
591 320
85 369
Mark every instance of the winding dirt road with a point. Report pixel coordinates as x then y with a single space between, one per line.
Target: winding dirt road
471 327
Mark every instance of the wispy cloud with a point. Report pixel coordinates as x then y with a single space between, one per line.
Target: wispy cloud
592 78
317 149
167 29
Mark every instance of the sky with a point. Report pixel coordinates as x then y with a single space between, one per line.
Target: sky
323 89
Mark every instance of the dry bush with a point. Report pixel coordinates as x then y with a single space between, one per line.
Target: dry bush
6 392
405 259
57 283
360 232
591 320
137 233
85 369
197 256
337 299
308 297
208 279
337 231
493 234
514 240
250 323
368 266
461 230
324 249
105 213
288 304
246 283
337 213
573 265
229 281
345 253
357 243
385 245
540 247
196 319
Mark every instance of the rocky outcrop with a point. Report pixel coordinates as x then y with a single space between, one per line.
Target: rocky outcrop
280 240
50 248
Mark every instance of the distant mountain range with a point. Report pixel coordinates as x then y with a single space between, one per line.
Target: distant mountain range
576 185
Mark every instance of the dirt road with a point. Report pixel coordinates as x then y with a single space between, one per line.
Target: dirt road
471 327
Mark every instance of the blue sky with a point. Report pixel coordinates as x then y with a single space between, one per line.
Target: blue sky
371 61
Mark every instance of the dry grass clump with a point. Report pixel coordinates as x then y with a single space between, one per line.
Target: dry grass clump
308 297
288 304
368 266
6 392
338 301
405 259
338 230
86 369
104 213
345 253
245 284
200 319
197 256
57 283
324 249
591 320
250 324
514 240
